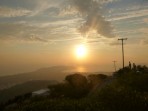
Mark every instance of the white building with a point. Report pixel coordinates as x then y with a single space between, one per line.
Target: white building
41 92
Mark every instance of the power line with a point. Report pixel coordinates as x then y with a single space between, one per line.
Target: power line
122 39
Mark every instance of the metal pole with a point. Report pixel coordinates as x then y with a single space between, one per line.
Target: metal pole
122 53
122 39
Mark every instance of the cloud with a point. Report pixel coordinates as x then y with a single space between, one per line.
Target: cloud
90 11
127 32
144 41
114 43
129 15
93 41
144 31
11 12
28 7
48 6
21 32
41 32
41 7
145 20
106 1
34 38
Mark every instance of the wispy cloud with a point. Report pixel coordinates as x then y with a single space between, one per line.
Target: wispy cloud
144 31
129 15
48 6
20 32
144 41
34 38
11 12
145 20
114 43
41 7
46 32
106 1
126 31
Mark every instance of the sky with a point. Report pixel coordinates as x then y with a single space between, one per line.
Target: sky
44 33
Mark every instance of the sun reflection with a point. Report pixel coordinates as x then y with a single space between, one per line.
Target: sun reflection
81 69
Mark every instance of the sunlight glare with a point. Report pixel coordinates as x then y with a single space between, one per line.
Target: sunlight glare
81 51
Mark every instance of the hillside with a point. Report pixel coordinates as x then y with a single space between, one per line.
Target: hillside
24 88
126 90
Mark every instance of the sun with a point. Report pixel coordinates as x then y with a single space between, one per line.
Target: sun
81 51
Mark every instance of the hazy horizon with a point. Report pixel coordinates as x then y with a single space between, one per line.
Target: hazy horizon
74 69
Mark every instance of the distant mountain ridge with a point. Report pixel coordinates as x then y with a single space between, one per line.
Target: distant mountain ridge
52 73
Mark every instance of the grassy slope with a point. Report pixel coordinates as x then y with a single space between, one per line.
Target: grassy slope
23 89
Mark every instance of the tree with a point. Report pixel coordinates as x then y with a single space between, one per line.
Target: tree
76 80
76 86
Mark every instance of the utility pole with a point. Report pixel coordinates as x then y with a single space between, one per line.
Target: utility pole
115 65
122 39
